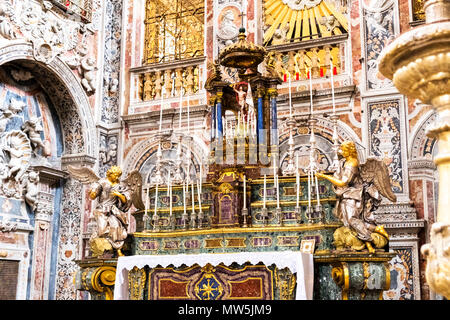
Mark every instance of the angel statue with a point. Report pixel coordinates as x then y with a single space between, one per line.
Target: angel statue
114 202
358 188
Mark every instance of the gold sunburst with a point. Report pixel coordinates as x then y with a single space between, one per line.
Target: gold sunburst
302 19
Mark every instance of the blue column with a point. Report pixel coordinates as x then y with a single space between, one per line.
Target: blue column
213 122
260 121
219 117
273 104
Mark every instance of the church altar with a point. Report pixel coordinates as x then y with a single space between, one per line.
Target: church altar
297 262
240 230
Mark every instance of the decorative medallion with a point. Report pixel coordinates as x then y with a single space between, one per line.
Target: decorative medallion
208 288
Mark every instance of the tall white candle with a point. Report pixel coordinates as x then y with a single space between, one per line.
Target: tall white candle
184 197
201 175
193 200
170 200
181 109
290 96
199 198
245 193
297 176
310 89
275 181
317 191
147 201
156 199
309 190
161 113
188 114
264 193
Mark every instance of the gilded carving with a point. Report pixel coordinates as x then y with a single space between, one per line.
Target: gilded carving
114 202
359 188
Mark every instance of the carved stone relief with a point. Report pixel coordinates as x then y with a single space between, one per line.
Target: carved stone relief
52 34
380 29
108 152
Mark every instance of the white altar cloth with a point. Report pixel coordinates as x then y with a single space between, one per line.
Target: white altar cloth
299 262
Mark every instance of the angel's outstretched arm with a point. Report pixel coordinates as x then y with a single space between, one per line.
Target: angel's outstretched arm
333 180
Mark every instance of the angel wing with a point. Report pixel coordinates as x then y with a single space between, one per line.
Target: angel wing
83 174
133 183
376 172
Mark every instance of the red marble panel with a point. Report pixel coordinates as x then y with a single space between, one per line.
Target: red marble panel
250 288
170 289
430 202
416 195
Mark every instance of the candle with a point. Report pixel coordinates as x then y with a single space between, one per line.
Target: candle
310 89
317 191
332 87
161 113
184 197
199 196
297 176
201 174
245 194
309 190
146 201
193 193
275 181
181 108
264 193
188 116
290 96
156 199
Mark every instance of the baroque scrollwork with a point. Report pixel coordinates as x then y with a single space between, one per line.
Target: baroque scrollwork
51 33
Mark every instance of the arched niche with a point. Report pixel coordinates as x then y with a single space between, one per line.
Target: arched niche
323 131
67 95
64 202
143 156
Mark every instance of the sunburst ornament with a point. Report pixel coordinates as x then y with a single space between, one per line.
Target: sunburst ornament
299 20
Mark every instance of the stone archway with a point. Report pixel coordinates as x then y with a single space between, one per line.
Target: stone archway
69 97
64 210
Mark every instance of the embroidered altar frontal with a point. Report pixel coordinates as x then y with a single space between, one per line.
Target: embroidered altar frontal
235 282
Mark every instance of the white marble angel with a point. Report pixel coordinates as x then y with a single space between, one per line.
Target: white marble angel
114 202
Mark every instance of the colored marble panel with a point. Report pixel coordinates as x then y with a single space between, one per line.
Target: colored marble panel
385 139
211 283
148 245
288 241
170 289
250 288
261 241
213 243
235 243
